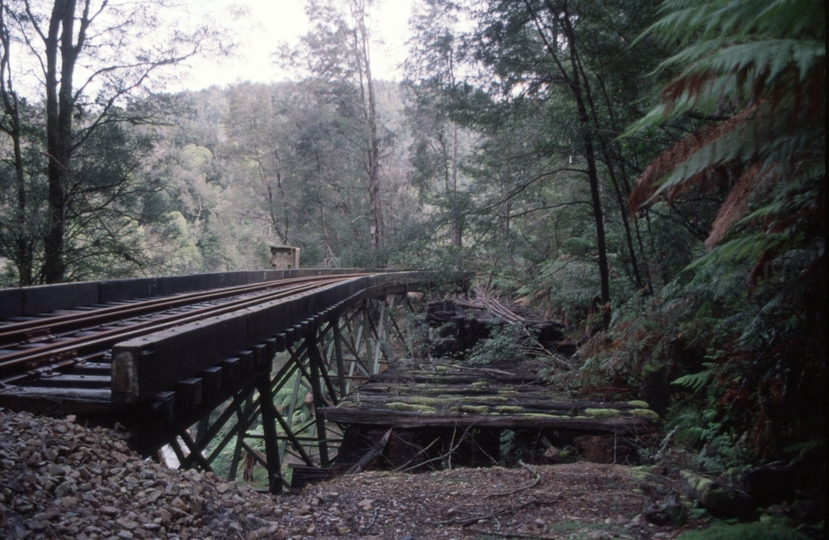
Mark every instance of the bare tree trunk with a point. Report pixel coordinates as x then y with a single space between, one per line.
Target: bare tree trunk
562 16
24 248
358 10
592 174
59 108
457 218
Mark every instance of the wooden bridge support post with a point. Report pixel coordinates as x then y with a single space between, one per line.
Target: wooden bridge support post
269 430
338 351
241 427
316 363
396 327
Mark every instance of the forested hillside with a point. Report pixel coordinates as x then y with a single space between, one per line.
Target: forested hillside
650 173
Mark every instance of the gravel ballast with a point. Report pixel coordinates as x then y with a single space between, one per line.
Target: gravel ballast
59 479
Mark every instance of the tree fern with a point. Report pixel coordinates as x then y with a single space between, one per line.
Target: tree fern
750 81
763 65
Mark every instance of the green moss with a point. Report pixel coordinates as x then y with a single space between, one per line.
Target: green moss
485 399
509 409
480 384
644 413
639 404
443 368
477 409
602 413
542 415
409 407
422 400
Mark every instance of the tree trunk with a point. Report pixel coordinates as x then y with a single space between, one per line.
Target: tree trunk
373 149
59 105
562 18
457 217
592 172
23 252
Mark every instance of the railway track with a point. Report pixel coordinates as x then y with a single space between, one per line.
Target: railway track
40 346
121 351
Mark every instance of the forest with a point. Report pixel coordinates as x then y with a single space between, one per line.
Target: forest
651 174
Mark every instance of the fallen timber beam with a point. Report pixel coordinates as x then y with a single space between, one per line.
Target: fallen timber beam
408 420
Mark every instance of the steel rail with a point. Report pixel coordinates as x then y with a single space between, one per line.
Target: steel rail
108 338
13 332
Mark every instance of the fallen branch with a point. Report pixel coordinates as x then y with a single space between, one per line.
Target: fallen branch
403 468
452 448
514 491
510 535
485 370
373 521
509 510
474 519
371 455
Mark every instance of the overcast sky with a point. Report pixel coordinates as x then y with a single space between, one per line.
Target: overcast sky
273 21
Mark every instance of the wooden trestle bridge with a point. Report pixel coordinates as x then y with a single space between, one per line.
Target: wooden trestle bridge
262 365
162 355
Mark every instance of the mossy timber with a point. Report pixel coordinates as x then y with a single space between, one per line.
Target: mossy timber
446 393
429 407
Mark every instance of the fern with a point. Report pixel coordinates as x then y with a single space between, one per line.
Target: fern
694 381
760 64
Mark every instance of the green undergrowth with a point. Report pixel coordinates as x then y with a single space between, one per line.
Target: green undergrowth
760 530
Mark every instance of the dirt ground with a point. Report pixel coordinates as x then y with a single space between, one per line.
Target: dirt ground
579 500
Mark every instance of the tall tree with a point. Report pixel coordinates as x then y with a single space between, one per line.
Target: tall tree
338 50
431 74
560 65
20 227
100 42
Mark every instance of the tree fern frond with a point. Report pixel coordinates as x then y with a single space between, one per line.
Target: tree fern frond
687 158
694 381
768 57
685 21
745 247
789 17
735 205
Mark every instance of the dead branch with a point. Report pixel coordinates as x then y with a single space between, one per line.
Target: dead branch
371 455
514 491
509 535
452 448
508 510
476 369
422 451
549 354
373 521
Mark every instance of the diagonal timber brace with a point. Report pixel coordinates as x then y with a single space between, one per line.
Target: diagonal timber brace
274 416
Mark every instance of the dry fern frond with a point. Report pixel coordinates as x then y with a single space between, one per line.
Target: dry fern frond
646 184
735 205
